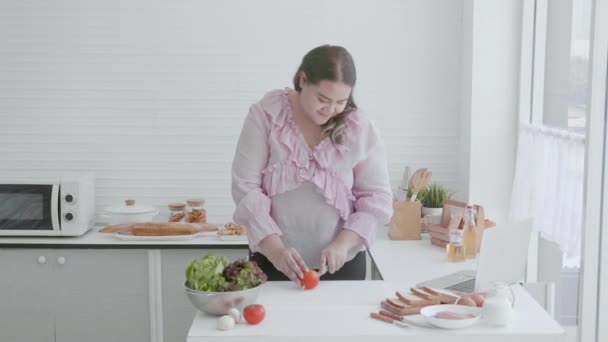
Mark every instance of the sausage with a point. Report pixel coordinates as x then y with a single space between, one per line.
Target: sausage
423 295
380 317
395 304
411 310
413 302
445 298
390 315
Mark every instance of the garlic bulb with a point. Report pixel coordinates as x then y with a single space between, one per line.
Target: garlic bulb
225 322
235 314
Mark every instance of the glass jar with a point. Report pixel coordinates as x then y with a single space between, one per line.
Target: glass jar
177 212
196 212
470 232
426 221
455 248
497 308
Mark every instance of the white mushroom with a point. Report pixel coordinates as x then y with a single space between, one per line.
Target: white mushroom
225 322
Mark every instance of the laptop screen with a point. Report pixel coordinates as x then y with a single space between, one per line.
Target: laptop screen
503 254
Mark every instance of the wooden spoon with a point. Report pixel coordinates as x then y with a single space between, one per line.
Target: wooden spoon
420 179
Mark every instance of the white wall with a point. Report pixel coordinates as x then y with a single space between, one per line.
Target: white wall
151 94
491 50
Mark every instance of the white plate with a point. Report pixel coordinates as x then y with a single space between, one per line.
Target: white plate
127 237
429 313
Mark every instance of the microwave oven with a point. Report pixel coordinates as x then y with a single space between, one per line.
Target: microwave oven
47 205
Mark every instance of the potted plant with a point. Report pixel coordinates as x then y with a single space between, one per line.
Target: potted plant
432 198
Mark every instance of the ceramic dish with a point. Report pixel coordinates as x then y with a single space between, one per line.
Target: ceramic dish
430 312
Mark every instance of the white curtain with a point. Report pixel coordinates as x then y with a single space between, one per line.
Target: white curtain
548 186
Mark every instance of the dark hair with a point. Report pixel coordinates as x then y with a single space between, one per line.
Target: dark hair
330 63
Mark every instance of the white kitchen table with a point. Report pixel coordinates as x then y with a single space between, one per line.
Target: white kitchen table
339 310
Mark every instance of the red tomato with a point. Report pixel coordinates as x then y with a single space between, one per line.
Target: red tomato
254 313
310 280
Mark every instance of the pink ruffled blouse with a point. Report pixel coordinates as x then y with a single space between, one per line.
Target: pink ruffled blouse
306 195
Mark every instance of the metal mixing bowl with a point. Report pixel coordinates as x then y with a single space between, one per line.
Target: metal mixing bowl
218 303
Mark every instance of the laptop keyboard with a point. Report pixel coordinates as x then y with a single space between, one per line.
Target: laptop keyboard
466 286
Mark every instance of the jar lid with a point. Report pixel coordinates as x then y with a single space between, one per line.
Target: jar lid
130 208
195 201
177 206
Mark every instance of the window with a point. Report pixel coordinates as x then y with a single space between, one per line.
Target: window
566 81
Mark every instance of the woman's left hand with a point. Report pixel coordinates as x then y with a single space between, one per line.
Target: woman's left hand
333 257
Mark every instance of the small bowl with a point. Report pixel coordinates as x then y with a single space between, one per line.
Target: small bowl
429 313
129 212
218 303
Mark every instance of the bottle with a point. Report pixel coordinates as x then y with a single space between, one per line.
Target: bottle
177 212
455 248
469 231
497 308
196 211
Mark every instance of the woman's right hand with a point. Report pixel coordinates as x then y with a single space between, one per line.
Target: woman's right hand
289 262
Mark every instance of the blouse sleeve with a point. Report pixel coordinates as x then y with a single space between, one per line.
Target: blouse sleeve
251 157
373 204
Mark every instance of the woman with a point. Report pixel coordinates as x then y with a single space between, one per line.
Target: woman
309 176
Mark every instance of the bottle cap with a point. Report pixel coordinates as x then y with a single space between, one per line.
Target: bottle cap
177 206
195 201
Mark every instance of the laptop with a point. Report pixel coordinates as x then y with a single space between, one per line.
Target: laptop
502 257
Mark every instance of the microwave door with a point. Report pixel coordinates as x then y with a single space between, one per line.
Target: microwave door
29 207
55 207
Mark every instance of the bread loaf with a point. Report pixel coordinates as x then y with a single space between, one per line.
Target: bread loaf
159 228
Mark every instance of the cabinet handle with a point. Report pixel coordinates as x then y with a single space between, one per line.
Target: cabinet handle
41 260
61 260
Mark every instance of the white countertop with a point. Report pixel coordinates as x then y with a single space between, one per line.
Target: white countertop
339 311
95 238
398 260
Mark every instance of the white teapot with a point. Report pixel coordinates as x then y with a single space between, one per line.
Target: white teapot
497 308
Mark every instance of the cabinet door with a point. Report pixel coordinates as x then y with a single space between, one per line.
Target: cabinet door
102 295
177 310
26 288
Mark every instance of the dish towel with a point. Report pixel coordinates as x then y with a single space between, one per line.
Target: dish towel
548 186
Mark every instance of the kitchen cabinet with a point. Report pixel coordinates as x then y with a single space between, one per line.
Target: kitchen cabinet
74 295
25 296
177 310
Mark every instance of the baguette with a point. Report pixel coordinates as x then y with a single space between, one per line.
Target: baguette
117 228
161 231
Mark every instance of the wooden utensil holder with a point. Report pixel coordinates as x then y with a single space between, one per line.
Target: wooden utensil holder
405 223
439 232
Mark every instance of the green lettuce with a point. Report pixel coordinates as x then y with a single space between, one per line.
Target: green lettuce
206 273
214 274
